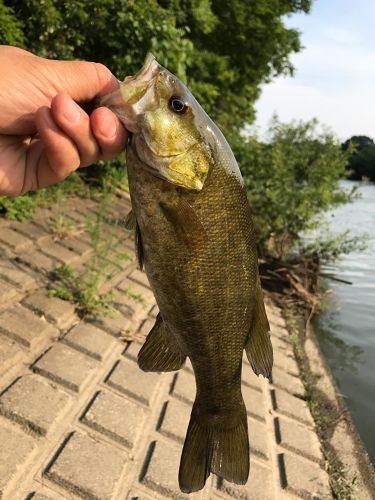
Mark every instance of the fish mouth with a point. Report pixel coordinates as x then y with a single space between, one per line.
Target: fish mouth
129 101
148 71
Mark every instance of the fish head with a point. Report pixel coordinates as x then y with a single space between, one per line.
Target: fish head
168 125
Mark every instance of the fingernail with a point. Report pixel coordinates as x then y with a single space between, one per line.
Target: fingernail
108 125
72 111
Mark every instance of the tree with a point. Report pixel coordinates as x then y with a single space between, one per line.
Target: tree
292 180
224 50
361 163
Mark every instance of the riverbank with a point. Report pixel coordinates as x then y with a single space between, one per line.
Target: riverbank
78 419
352 474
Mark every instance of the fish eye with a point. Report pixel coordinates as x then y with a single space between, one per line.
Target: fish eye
178 105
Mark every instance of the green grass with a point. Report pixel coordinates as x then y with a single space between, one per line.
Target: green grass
24 207
90 182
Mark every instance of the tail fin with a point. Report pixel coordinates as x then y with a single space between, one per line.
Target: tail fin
215 443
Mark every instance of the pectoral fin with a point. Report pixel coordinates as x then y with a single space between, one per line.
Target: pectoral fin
160 352
185 222
138 247
131 224
258 347
130 221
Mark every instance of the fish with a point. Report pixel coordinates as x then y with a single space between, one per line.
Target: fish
195 239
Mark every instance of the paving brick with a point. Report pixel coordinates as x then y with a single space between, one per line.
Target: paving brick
183 386
31 230
16 276
15 451
40 496
140 277
289 383
145 327
130 304
10 354
90 340
161 473
16 241
174 420
45 218
286 363
254 402
80 218
76 245
304 478
259 439
87 467
258 487
66 367
127 378
25 327
34 404
132 350
136 289
59 253
57 311
116 417
137 495
298 438
36 260
282 344
117 325
154 311
291 406
7 292
275 319
250 379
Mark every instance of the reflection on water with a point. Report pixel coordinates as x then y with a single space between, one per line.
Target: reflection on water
346 357
346 330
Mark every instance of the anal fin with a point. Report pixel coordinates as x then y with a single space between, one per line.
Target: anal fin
258 347
160 352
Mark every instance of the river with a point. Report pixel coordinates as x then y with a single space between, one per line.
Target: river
346 330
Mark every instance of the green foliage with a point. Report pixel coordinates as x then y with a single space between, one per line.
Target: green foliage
361 163
330 247
23 207
10 27
292 180
223 50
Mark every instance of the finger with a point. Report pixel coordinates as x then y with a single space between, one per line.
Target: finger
76 124
109 132
83 80
58 157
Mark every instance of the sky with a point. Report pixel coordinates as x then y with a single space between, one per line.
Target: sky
334 78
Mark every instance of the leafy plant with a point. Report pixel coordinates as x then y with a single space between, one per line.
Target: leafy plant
292 180
85 289
69 285
330 247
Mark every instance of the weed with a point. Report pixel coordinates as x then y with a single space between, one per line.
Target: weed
135 296
70 286
84 289
324 413
62 227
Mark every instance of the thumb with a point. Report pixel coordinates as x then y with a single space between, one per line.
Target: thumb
83 80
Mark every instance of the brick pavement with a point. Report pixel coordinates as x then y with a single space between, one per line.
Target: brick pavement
78 419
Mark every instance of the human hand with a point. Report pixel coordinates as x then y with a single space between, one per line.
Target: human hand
44 134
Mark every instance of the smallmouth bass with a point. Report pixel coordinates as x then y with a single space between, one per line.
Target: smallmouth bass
195 239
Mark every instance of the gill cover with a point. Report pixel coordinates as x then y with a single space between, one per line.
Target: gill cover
169 143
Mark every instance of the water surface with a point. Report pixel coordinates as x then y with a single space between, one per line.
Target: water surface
346 331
